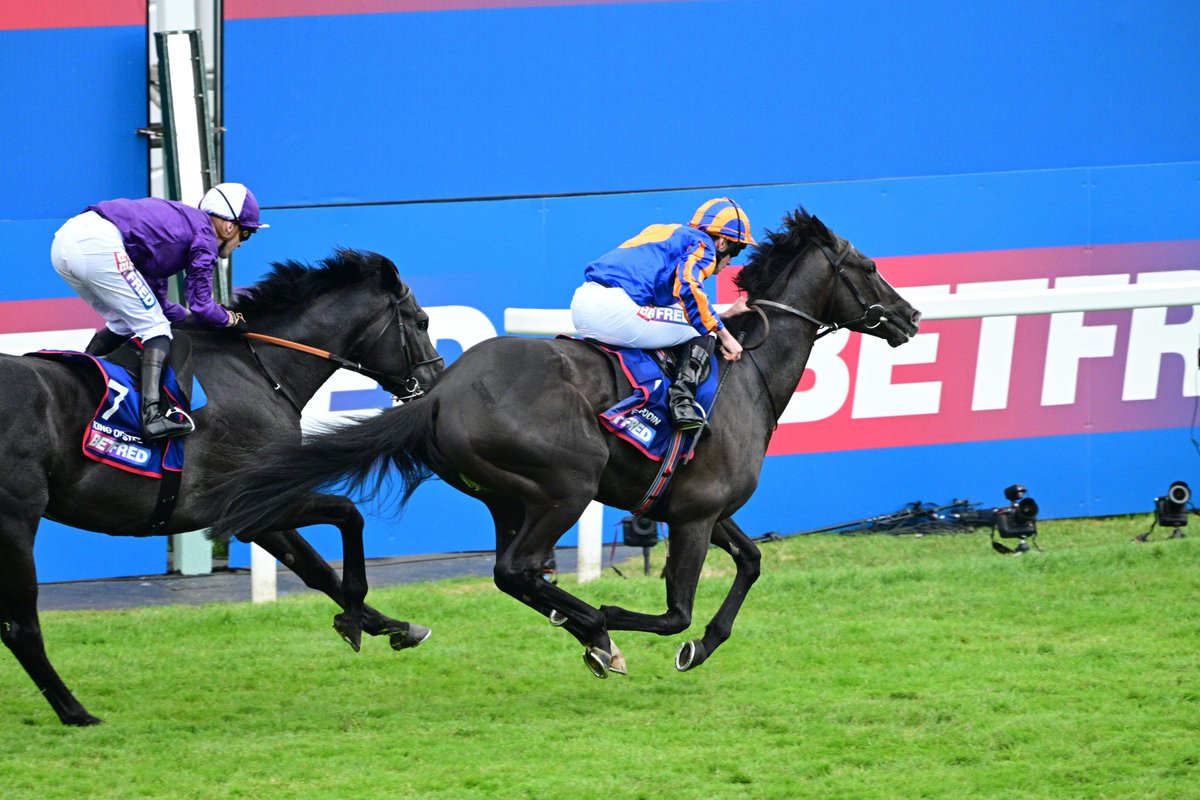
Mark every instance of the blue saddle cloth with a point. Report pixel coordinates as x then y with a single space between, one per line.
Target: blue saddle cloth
644 418
114 434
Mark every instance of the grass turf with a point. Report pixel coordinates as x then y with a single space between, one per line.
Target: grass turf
860 667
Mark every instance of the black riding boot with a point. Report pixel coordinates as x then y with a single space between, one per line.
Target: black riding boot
156 424
104 342
686 413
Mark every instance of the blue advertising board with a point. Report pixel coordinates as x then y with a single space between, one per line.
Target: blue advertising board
493 147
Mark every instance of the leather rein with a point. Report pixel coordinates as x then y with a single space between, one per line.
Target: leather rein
411 386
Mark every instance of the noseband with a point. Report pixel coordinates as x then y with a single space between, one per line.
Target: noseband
872 316
412 388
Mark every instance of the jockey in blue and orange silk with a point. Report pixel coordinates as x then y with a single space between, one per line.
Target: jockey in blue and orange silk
119 254
649 293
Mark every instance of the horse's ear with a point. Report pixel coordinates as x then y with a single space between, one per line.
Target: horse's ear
390 273
820 230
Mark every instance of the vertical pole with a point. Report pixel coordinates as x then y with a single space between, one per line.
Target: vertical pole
262 575
591 543
187 160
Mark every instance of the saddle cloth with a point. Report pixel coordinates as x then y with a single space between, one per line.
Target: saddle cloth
644 418
113 435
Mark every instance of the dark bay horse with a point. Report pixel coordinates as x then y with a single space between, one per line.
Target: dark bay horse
513 423
353 305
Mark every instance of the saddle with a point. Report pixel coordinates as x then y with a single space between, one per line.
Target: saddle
642 418
179 361
113 434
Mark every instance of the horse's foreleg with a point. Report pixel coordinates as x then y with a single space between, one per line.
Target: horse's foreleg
689 546
20 629
295 553
730 538
683 574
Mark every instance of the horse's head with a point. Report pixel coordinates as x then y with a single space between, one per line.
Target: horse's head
404 342
356 306
809 271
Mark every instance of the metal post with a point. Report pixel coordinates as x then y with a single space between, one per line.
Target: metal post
187 161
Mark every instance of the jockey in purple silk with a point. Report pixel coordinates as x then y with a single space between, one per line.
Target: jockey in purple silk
119 255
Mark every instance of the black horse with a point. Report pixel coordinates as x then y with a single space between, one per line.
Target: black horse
514 423
353 306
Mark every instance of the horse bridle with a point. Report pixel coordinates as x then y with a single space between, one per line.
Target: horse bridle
872 316
411 386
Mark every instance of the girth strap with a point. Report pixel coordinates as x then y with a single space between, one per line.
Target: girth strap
168 493
666 470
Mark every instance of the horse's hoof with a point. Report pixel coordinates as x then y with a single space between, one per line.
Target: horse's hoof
617 664
557 619
691 654
350 631
81 720
598 661
402 640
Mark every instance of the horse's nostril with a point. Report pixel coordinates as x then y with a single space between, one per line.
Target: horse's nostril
916 316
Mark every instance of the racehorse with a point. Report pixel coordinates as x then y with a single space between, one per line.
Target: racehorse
354 307
513 423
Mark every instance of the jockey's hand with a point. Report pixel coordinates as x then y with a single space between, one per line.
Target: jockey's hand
731 346
739 307
237 322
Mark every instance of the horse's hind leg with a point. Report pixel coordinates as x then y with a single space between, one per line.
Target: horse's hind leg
295 553
19 626
733 540
518 572
328 509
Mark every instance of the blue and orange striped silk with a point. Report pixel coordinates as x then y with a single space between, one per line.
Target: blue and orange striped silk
664 265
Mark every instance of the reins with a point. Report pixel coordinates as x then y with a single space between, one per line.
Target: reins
872 317
343 363
411 387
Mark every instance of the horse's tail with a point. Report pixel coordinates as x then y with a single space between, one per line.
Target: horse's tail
353 457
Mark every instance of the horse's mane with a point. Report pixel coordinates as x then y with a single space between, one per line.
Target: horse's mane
779 249
292 284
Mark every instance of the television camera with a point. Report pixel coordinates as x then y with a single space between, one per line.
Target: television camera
1170 511
1017 520
640 532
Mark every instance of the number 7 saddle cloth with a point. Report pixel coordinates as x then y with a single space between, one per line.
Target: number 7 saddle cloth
113 435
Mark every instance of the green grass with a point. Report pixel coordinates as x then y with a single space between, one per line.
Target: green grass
861 667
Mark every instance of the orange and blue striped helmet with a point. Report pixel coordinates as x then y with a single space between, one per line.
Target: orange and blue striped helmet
723 217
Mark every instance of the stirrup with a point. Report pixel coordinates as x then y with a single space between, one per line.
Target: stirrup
173 428
185 418
684 422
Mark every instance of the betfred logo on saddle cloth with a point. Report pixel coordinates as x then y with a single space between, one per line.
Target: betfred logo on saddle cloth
113 435
644 419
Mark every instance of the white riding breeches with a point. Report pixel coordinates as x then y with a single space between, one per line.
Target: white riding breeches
89 254
609 315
